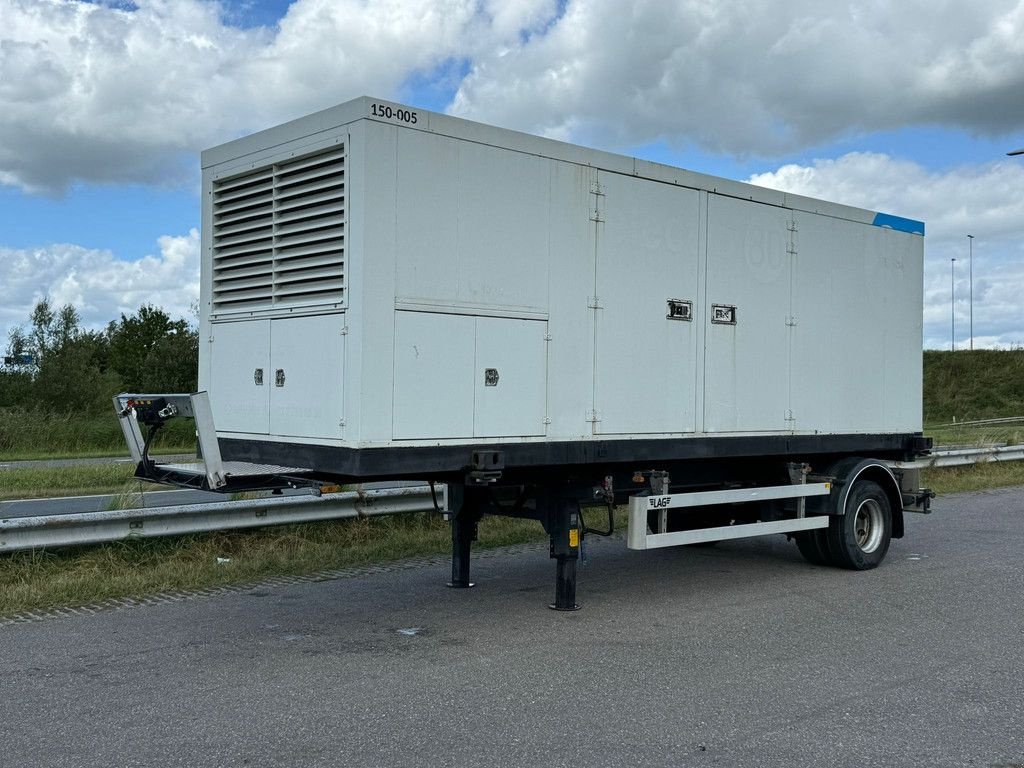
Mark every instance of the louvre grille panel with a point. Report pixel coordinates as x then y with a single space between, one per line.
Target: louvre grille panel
279 235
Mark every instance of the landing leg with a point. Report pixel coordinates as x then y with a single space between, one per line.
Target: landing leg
466 509
564 528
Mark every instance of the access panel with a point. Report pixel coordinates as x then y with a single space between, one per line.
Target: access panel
856 313
433 387
307 382
459 376
646 294
509 377
239 380
746 383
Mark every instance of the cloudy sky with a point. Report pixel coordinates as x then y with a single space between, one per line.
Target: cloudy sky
902 106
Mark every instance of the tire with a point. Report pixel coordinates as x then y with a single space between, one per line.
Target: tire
859 538
813 545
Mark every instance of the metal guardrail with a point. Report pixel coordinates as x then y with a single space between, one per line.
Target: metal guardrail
960 457
114 525
983 422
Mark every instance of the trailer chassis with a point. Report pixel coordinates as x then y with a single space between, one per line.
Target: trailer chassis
841 506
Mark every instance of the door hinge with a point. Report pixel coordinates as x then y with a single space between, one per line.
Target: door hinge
791 321
792 226
593 417
790 416
596 188
593 302
547 420
791 248
344 331
595 215
547 337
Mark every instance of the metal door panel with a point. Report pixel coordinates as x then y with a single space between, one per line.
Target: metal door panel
307 378
857 327
647 254
746 384
509 383
433 386
239 381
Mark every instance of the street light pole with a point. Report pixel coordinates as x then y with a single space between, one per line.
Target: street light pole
952 306
970 240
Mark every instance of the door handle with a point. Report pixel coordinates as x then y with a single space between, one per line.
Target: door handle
257 377
279 377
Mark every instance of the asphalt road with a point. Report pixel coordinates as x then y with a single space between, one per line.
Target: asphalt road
740 655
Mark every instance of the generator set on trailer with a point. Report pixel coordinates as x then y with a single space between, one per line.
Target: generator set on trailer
551 331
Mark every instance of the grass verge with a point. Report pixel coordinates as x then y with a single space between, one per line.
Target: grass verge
76 576
78 480
28 435
975 477
1012 434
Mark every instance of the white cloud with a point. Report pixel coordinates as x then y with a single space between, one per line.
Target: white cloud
101 93
98 93
745 77
984 201
97 284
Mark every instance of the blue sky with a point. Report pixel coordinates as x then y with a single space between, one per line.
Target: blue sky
909 110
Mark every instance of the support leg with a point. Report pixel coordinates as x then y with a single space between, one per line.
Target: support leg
565 585
564 528
466 510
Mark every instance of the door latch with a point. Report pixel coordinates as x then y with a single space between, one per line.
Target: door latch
279 377
257 377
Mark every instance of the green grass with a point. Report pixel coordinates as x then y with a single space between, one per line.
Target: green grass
1010 434
28 435
79 480
974 477
965 385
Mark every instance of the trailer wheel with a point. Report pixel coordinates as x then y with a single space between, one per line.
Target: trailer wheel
813 545
860 538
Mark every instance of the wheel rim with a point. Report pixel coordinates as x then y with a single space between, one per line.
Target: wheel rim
868 525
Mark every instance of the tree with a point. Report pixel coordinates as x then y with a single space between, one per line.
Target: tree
74 370
72 377
152 353
67 371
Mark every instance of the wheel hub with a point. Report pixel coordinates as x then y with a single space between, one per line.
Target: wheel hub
868 525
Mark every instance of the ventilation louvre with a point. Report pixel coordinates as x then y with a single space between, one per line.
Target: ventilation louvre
279 235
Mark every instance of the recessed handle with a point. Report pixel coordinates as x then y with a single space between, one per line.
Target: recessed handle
279 377
680 309
257 377
723 314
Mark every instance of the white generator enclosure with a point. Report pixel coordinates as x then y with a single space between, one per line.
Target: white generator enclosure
385 289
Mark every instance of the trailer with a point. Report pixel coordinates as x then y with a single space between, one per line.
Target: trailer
391 293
